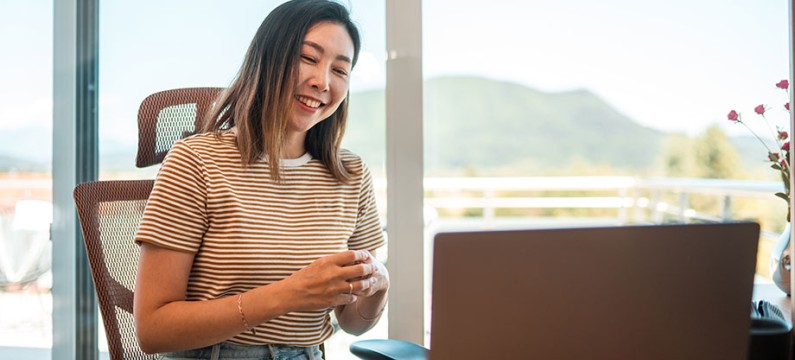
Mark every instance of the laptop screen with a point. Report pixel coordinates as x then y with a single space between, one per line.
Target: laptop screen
637 292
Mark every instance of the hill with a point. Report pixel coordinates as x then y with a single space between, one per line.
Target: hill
473 126
475 123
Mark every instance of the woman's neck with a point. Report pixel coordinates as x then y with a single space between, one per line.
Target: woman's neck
294 145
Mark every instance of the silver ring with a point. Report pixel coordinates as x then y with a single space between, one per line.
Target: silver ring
350 285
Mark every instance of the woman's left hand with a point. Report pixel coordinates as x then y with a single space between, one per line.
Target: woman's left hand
379 279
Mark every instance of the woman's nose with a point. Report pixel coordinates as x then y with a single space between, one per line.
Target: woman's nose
320 79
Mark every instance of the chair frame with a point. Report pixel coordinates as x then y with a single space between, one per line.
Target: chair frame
111 293
149 112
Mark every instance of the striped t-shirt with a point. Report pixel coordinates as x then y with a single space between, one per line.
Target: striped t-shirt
248 231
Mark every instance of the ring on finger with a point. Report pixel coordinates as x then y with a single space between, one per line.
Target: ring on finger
350 287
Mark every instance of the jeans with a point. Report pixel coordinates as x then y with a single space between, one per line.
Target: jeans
248 352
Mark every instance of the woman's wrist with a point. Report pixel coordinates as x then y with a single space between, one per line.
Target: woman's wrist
366 317
265 303
378 301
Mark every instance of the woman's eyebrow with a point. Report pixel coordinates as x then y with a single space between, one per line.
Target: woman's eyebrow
320 49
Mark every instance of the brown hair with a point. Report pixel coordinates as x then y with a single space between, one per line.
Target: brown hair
259 99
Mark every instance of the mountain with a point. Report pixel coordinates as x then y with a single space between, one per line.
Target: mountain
476 123
473 126
11 164
32 144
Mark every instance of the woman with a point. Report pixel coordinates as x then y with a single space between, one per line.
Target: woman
242 255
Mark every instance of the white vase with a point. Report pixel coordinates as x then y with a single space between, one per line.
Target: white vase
781 261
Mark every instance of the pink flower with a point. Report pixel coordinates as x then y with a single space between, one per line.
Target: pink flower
733 116
785 147
786 106
783 84
783 164
772 157
760 109
782 135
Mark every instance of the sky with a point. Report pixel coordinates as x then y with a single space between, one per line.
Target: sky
676 66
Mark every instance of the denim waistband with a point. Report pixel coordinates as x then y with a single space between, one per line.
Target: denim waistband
250 352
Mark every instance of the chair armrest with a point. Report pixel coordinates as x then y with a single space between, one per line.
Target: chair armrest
388 350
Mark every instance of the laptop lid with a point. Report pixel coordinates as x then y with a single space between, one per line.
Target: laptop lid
638 292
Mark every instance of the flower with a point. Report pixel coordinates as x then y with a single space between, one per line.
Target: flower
779 158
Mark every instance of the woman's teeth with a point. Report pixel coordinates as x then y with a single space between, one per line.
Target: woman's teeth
309 102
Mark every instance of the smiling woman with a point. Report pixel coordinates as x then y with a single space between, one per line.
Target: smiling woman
314 68
260 226
267 193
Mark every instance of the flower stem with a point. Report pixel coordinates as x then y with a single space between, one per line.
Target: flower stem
757 136
775 135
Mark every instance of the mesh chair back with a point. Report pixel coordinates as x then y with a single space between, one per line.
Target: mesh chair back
110 212
168 116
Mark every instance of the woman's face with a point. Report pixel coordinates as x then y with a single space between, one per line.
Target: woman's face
324 72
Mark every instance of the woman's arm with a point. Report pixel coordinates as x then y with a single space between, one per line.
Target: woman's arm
363 314
164 321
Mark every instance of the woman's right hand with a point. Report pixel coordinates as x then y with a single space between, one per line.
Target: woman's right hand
329 281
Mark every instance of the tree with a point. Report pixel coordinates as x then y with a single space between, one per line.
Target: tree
716 157
677 158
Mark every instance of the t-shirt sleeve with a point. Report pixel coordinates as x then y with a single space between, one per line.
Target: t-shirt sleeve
175 216
368 234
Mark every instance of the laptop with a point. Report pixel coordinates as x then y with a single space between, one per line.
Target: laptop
637 292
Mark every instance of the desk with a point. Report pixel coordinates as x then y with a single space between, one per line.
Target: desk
774 296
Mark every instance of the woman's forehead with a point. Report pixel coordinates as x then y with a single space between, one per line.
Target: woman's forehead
332 37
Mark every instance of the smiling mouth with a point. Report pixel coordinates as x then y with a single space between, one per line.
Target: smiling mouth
309 102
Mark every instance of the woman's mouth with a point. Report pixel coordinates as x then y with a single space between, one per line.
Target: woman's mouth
312 103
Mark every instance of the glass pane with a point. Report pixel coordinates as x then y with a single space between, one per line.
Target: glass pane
151 46
26 29
548 113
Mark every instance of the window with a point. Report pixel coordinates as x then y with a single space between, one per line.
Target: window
523 100
26 175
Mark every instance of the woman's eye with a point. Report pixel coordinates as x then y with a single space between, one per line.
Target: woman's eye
308 58
342 72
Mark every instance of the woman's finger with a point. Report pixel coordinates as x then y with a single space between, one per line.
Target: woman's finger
348 257
356 272
344 299
365 287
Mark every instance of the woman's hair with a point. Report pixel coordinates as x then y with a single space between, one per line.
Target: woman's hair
259 100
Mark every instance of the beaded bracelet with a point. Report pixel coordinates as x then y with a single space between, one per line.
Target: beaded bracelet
242 315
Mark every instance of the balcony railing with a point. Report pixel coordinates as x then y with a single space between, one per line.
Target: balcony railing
635 200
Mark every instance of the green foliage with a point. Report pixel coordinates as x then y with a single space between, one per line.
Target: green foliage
717 157
711 155
677 156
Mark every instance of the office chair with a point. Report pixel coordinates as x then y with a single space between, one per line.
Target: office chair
110 211
388 349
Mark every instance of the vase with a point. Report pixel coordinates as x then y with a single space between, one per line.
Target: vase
781 261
